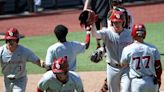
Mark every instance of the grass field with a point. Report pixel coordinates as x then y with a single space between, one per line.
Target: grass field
39 45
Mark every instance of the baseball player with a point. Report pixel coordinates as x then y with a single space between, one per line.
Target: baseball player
144 62
101 8
65 48
115 40
128 21
60 79
13 59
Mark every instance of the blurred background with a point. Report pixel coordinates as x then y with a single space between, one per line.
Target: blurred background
35 6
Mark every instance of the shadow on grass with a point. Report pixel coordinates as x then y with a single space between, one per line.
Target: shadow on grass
162 54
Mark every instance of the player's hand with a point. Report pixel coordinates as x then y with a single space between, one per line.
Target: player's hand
42 63
88 28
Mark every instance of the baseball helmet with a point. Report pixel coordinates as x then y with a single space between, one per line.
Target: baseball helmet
117 16
12 33
138 30
60 65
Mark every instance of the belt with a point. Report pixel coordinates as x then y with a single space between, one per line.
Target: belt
115 65
139 77
11 78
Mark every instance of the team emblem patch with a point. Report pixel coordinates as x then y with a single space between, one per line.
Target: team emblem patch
57 66
11 33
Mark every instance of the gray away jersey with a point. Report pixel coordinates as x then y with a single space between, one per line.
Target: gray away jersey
15 63
51 84
141 59
115 43
69 49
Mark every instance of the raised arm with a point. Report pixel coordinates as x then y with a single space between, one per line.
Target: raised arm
87 2
87 39
95 33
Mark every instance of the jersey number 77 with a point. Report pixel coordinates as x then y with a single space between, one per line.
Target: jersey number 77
143 59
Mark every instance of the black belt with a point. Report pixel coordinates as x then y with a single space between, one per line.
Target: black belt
115 65
11 78
139 77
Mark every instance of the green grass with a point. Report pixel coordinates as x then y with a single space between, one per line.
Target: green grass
39 45
155 33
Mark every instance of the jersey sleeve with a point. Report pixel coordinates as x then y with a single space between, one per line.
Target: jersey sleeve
79 85
49 56
102 33
157 55
43 84
78 47
124 56
31 56
1 51
106 34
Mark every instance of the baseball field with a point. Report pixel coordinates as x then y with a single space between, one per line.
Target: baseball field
38 31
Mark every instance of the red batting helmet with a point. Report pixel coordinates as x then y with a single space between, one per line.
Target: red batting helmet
117 16
138 30
12 33
60 65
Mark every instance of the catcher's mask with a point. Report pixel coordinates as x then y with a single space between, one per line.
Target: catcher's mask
138 30
60 65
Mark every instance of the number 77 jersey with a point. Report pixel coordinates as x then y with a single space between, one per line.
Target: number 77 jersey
141 59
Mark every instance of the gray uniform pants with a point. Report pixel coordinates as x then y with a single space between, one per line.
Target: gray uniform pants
118 79
15 85
144 84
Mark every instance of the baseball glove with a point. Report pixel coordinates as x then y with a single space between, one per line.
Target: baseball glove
87 18
97 55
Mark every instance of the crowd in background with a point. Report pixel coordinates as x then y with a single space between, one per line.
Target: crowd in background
22 5
19 6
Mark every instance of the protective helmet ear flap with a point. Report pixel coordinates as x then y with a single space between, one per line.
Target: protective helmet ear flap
138 30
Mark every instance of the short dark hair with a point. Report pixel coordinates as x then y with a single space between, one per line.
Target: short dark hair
61 32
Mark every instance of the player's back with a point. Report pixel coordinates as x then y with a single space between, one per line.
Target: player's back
142 59
50 83
69 49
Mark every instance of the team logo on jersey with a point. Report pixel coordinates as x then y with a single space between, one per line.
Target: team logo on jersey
11 33
57 66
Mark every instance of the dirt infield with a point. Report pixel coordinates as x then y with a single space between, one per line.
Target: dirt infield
43 25
92 81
